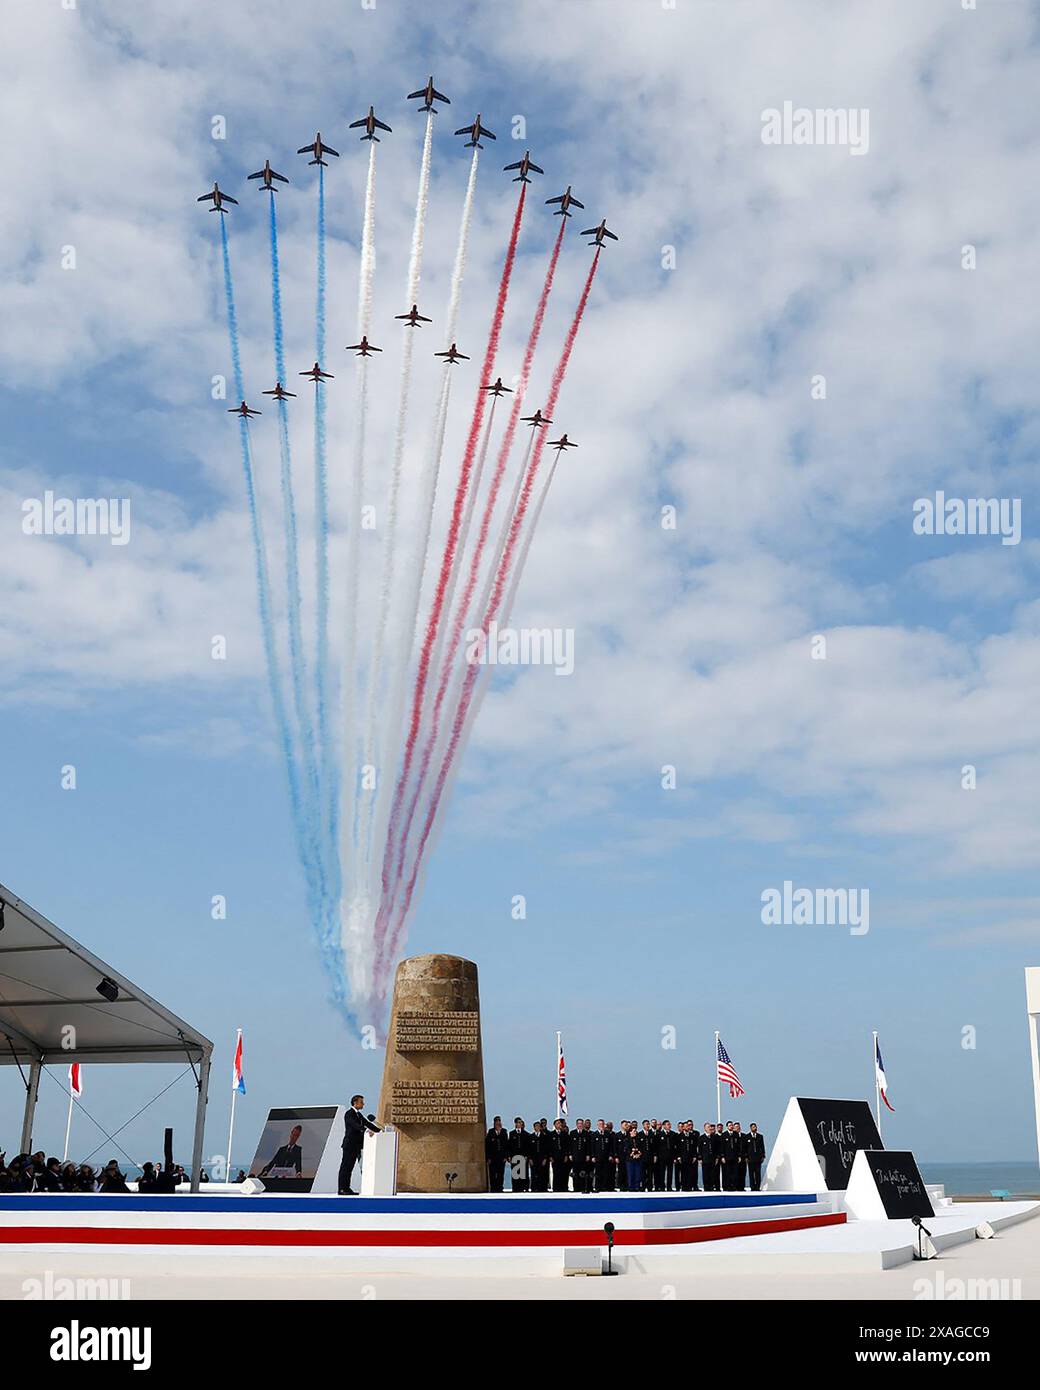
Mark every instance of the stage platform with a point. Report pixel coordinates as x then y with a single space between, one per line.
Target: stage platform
366 1230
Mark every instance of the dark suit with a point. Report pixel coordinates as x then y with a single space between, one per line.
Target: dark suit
756 1155
288 1156
354 1126
621 1148
496 1152
732 1175
541 1153
689 1151
711 1152
520 1159
560 1151
650 1143
668 1157
582 1170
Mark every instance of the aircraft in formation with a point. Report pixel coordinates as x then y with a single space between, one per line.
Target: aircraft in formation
537 420
267 174
218 199
279 393
566 201
243 410
316 374
413 317
562 443
371 124
452 355
598 233
496 388
526 166
475 131
318 149
429 94
364 348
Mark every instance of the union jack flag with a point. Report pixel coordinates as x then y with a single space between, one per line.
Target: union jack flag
728 1074
561 1081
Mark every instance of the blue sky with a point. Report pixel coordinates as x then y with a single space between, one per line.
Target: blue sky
689 387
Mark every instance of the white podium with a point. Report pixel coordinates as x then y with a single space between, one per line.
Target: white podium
379 1164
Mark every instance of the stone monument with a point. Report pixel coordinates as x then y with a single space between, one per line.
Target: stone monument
433 1077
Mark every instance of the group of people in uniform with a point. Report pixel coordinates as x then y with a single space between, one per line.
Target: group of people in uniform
647 1157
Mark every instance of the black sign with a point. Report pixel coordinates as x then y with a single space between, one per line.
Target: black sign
899 1184
837 1129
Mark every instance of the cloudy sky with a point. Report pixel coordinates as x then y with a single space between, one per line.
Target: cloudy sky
745 272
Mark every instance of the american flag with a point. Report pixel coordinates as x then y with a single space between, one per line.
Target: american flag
561 1081
727 1073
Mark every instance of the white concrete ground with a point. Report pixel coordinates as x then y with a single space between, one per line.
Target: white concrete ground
1007 1266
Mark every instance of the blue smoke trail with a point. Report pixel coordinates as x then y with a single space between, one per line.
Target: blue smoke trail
297 659
328 791
333 957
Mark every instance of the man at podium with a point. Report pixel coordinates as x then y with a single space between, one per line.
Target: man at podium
354 1125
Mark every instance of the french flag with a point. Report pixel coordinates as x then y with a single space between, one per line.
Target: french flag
879 1075
76 1079
238 1081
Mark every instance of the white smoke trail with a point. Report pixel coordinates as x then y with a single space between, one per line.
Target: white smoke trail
396 928
376 747
428 482
459 668
352 910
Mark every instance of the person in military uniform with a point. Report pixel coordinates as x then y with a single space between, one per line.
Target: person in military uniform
711 1152
730 1157
648 1141
496 1155
541 1153
577 1156
689 1152
621 1147
668 1177
520 1156
740 1158
560 1155
602 1157
755 1145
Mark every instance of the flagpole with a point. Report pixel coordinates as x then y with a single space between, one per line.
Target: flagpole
559 1114
68 1126
234 1093
877 1086
718 1083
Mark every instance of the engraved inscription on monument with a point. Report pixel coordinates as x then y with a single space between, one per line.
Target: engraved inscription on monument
436 1103
433 1076
438 1030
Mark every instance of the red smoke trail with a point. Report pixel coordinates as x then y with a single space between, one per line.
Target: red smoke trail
448 558
467 596
501 578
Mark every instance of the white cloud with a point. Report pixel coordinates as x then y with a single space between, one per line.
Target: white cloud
689 386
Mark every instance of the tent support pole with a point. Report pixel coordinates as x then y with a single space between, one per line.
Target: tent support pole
200 1122
31 1092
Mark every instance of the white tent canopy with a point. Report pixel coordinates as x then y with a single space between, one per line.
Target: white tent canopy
51 1012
